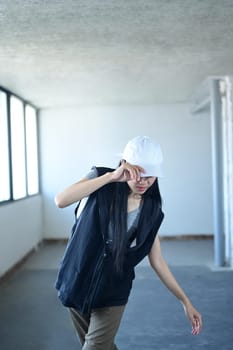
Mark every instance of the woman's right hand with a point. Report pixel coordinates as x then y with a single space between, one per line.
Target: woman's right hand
127 172
83 188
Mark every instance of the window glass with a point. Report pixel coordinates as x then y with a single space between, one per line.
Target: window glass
18 148
19 169
31 150
4 150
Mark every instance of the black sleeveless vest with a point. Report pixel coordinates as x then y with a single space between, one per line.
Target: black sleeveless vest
87 278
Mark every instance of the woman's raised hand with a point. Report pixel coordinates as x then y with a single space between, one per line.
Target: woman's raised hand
127 172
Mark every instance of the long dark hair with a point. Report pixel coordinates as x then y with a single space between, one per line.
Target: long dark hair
119 218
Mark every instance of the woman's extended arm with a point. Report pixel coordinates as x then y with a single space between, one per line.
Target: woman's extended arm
80 189
161 268
85 187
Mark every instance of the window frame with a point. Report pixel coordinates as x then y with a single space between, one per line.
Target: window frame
25 103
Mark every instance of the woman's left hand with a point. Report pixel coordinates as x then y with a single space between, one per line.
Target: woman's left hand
195 318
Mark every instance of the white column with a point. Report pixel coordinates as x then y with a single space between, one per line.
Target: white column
228 168
217 166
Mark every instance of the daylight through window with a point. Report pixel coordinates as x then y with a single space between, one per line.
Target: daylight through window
18 148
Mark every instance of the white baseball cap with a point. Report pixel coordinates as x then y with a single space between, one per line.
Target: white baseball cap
142 151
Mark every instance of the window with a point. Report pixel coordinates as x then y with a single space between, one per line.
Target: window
31 150
18 148
4 150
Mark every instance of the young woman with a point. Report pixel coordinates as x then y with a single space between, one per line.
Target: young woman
116 229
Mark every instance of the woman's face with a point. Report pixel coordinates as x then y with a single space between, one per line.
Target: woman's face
142 185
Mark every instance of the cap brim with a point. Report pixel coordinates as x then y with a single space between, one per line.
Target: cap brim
152 170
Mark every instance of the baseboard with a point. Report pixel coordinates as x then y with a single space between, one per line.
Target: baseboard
165 237
162 238
55 240
187 237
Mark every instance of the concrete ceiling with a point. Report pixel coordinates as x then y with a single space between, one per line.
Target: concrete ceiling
66 53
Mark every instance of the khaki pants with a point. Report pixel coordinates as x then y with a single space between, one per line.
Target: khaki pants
97 330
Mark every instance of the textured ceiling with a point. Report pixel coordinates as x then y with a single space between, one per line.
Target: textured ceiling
80 52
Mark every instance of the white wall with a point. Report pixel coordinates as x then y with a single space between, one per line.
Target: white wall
72 140
20 224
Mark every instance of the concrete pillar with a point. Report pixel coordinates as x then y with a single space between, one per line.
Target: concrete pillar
217 167
227 119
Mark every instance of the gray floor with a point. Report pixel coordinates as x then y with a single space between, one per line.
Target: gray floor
32 318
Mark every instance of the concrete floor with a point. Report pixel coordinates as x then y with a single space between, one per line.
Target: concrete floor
32 317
